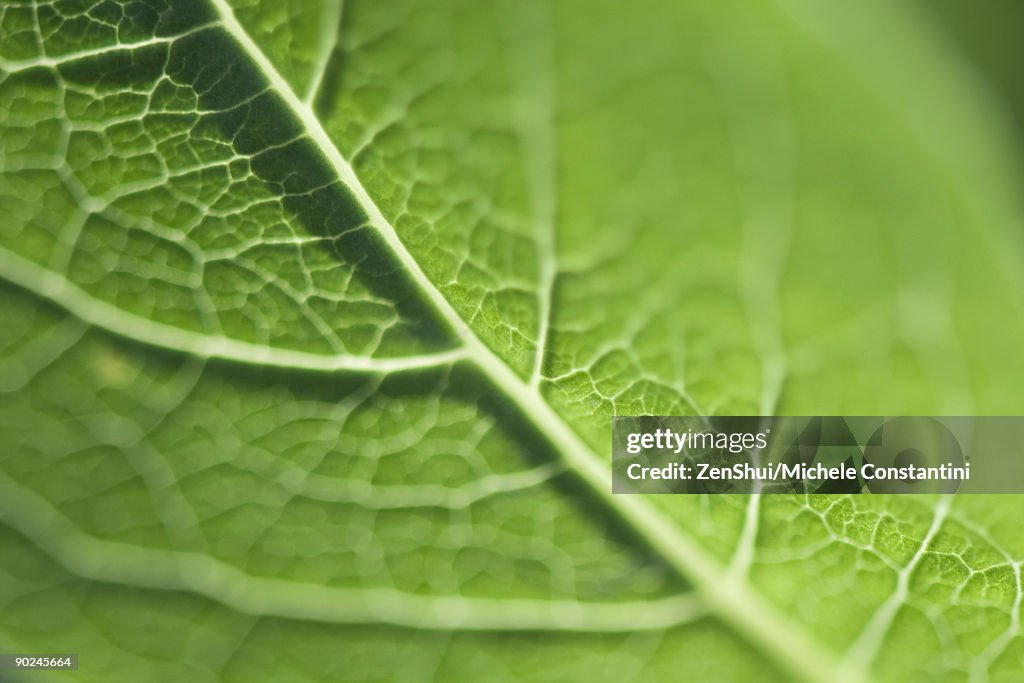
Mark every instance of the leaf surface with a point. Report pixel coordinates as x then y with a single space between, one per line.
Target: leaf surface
315 317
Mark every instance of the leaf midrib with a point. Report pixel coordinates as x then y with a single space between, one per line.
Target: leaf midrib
732 599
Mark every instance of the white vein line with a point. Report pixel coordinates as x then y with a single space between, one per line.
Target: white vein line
980 665
96 559
979 668
735 602
104 315
47 61
743 556
767 232
866 647
330 32
319 487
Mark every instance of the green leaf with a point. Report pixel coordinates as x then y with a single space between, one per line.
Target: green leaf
314 319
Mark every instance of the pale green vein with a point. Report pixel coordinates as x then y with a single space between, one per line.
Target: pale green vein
863 651
537 130
16 65
108 561
89 309
980 665
331 22
330 489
